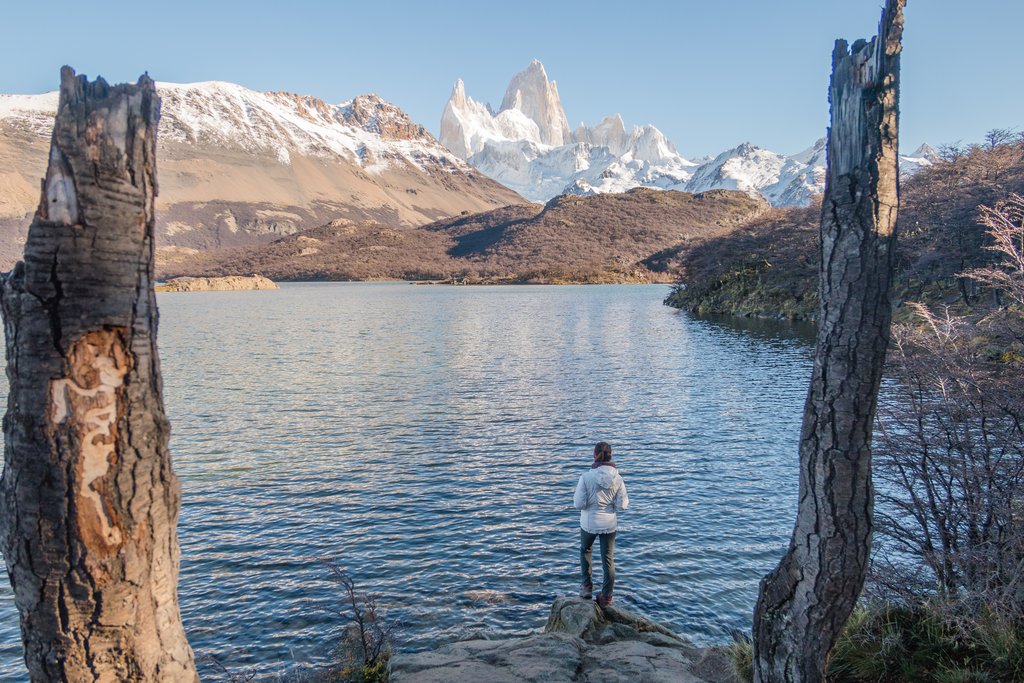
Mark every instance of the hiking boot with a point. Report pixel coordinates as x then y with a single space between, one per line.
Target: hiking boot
586 590
603 600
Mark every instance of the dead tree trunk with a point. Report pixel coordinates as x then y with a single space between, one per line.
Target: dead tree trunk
88 500
806 600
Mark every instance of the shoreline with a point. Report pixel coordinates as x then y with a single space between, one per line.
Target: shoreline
581 641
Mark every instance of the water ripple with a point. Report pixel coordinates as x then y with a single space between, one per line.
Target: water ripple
428 439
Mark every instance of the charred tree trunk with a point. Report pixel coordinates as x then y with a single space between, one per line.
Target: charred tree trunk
806 600
88 500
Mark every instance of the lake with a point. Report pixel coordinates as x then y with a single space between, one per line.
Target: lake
428 440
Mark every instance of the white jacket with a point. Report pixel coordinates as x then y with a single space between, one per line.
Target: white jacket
600 493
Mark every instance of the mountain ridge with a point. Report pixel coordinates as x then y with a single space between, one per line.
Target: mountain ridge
519 147
238 166
597 239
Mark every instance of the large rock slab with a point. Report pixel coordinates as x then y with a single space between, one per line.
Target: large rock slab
539 658
581 642
628 661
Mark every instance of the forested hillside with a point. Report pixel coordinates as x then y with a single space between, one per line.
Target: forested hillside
768 267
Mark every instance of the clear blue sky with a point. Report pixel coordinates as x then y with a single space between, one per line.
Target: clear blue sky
710 75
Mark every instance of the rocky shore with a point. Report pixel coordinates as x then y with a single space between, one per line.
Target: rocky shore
580 642
216 284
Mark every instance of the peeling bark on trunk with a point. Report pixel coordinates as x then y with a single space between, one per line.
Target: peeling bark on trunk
806 600
88 500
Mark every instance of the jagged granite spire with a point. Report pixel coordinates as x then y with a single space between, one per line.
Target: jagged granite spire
534 95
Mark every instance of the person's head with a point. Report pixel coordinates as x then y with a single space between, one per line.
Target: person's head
602 452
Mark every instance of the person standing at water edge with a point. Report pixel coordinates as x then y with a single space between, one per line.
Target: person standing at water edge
600 494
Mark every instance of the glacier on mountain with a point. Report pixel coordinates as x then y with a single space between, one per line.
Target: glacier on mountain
526 146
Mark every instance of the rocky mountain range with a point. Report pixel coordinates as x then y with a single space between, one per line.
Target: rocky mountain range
238 167
526 145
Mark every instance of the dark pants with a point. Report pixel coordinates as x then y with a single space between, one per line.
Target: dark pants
607 560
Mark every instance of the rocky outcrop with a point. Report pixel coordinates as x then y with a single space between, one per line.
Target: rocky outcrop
374 115
581 642
216 284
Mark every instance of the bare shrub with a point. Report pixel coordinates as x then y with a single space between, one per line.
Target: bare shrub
949 451
999 136
1005 225
367 638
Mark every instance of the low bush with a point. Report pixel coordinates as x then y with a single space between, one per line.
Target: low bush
924 643
927 643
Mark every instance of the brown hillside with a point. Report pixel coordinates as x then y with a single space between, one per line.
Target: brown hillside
769 267
340 250
219 189
603 238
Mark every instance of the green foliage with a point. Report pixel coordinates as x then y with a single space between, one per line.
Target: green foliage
962 676
741 652
900 644
375 672
920 644
890 644
1003 644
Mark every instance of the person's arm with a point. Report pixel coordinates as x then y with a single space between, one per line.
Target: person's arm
621 501
579 499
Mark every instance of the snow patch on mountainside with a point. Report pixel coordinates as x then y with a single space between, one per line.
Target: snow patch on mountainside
367 130
34 113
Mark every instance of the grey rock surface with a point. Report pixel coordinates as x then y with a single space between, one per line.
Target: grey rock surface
581 642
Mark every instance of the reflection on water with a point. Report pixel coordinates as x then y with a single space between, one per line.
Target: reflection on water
428 439
762 329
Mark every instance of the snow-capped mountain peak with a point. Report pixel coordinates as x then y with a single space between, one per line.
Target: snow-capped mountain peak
531 93
527 146
923 156
814 155
746 167
366 130
237 164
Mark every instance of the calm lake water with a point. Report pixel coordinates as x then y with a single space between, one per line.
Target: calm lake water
428 440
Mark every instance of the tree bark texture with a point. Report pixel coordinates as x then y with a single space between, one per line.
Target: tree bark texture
806 600
88 499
